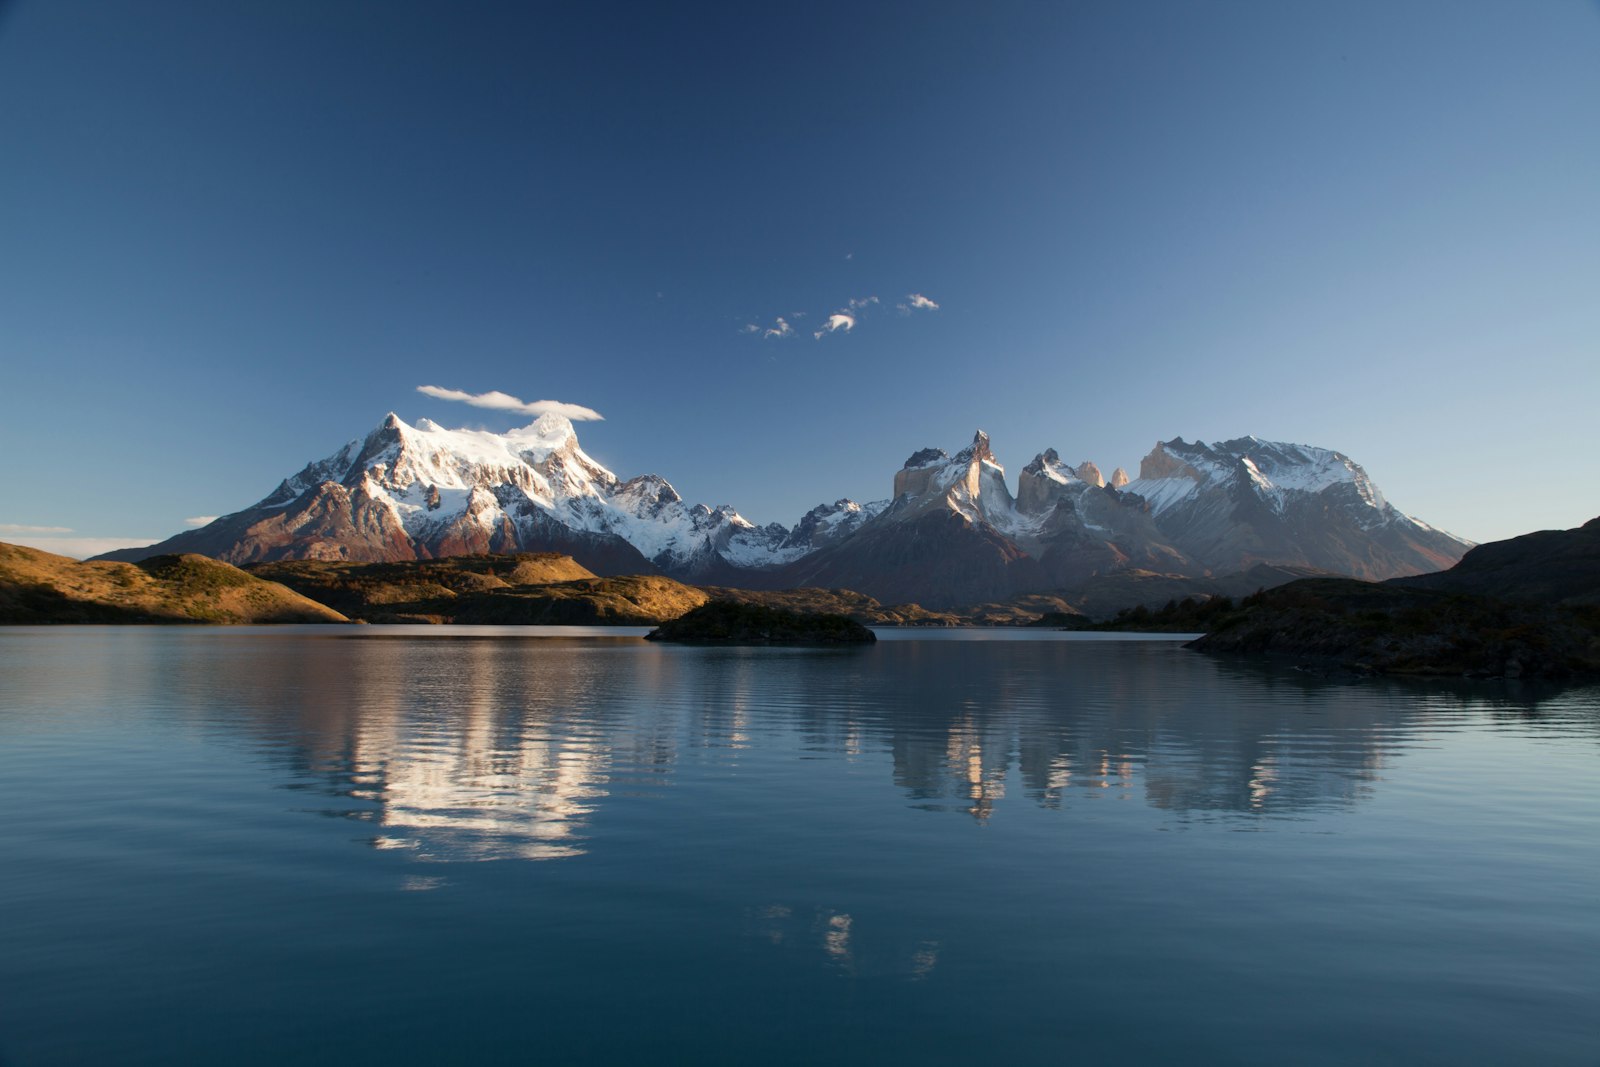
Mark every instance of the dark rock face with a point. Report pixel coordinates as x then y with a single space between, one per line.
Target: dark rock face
723 623
937 559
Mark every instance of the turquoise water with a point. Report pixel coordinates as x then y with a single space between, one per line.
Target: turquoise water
449 845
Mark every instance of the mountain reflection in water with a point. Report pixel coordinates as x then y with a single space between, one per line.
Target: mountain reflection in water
265 846
499 748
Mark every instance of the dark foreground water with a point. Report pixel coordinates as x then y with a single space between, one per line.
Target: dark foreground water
370 845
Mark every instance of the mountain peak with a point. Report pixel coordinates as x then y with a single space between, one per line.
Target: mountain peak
926 457
552 425
979 450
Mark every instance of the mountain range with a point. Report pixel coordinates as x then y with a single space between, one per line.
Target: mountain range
951 533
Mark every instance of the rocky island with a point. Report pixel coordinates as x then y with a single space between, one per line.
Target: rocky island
724 623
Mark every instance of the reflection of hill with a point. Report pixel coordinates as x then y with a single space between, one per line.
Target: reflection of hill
460 748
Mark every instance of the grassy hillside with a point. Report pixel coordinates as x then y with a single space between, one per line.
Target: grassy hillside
39 587
527 588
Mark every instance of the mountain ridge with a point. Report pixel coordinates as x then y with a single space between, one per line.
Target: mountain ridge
951 533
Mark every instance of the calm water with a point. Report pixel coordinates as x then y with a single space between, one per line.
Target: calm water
386 845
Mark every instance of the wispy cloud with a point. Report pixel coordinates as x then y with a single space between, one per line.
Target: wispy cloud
498 401
81 547
200 520
917 302
21 528
839 320
844 320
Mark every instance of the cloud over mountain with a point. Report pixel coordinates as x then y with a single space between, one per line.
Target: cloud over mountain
498 401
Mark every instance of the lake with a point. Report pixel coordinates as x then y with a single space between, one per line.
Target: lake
454 845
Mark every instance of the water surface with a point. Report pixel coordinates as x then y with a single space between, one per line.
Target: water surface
449 844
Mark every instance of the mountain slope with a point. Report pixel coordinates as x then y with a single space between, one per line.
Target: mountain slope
1249 501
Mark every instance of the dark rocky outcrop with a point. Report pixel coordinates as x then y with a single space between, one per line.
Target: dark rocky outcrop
1521 608
1387 629
722 622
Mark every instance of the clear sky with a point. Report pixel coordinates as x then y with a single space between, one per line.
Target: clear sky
233 236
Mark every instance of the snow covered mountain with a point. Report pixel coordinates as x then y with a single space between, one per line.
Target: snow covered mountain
1246 501
951 534
424 491
954 534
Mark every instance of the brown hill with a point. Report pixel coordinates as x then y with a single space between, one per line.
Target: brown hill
39 587
1548 567
1528 606
383 591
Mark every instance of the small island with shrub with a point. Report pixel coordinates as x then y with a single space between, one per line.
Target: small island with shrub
724 623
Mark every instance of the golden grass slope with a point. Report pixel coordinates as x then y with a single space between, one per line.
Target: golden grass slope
524 588
40 587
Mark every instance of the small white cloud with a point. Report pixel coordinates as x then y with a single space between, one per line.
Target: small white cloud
839 320
857 304
21 528
918 302
780 330
200 520
849 255
498 401
749 327
82 547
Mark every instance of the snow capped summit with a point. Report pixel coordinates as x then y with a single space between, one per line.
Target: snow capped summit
972 483
1176 471
417 491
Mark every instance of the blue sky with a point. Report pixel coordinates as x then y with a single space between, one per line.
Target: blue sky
234 236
